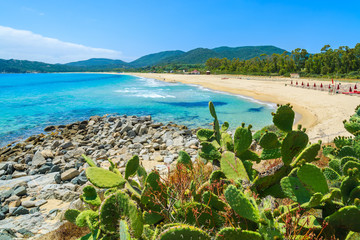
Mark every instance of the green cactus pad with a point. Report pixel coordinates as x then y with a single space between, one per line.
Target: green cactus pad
227 142
346 151
309 153
71 215
344 160
89 161
141 173
201 215
267 154
294 189
225 126
124 230
347 185
236 233
184 159
313 178
284 118
350 165
335 165
209 152
242 140
103 178
232 167
330 174
131 167
241 204
293 144
261 183
90 196
269 141
342 141
184 232
353 236
249 155
212 110
314 201
352 127
152 217
213 201
87 218
154 192
205 134
216 176
345 218
355 193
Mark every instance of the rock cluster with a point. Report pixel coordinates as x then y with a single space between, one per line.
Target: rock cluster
50 166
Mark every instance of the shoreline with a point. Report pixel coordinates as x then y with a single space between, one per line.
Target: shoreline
322 114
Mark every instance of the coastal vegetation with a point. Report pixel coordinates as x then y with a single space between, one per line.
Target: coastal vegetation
222 195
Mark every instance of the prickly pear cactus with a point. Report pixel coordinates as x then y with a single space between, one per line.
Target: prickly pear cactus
313 178
131 167
103 178
213 201
241 204
232 167
90 196
87 218
284 117
242 139
124 230
309 153
184 232
71 215
293 144
209 151
205 134
184 159
345 218
269 141
295 190
89 161
237 233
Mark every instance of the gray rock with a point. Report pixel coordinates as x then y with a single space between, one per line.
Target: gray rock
69 174
38 159
192 142
4 210
55 168
20 211
66 145
44 169
42 181
34 210
57 178
3 165
17 174
2 172
82 179
179 141
2 216
143 130
74 180
6 194
127 127
20 191
168 159
6 236
40 203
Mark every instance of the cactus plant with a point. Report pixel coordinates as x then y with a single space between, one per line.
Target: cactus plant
124 230
90 196
89 161
213 201
309 153
293 143
237 233
232 167
184 232
345 218
209 151
131 166
284 117
87 218
103 178
269 141
71 215
184 159
242 139
313 178
241 204
205 134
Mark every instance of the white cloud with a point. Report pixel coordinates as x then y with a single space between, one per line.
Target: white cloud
26 45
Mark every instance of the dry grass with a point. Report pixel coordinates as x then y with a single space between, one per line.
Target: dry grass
67 231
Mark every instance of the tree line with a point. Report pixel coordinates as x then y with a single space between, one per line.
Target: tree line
341 62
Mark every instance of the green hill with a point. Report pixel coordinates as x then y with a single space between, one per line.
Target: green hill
245 53
99 63
155 58
24 66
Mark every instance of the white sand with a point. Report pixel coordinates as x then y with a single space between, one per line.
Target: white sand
321 113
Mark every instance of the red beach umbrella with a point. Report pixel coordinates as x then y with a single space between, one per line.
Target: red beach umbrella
350 90
291 82
302 83
321 85
338 87
355 87
307 84
332 80
296 83
314 84
329 86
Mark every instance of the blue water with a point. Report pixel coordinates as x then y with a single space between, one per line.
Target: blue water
29 102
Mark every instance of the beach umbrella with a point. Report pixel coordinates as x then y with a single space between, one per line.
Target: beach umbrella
314 84
329 86
302 83
321 85
296 83
307 84
338 87
355 87
332 80
291 82
350 90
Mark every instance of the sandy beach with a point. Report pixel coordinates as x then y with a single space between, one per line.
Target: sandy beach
321 113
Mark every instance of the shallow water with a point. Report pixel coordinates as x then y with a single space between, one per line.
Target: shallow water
29 102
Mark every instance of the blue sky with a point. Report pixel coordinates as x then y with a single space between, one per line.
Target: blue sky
69 30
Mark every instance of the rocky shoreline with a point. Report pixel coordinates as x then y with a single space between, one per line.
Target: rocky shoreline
44 175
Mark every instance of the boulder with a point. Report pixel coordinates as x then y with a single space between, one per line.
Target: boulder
69 174
38 159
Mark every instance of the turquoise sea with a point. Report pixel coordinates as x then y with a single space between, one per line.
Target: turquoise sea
30 102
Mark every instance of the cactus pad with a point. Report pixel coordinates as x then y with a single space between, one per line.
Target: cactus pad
212 110
225 126
184 159
184 232
309 153
205 134
90 196
213 201
242 140
236 233
335 165
284 118
209 152
352 127
241 204
87 218
71 215
232 167
269 141
345 218
350 165
227 142
293 144
347 185
267 154
89 161
131 166
313 178
124 230
152 217
103 178
216 176
294 189
330 174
